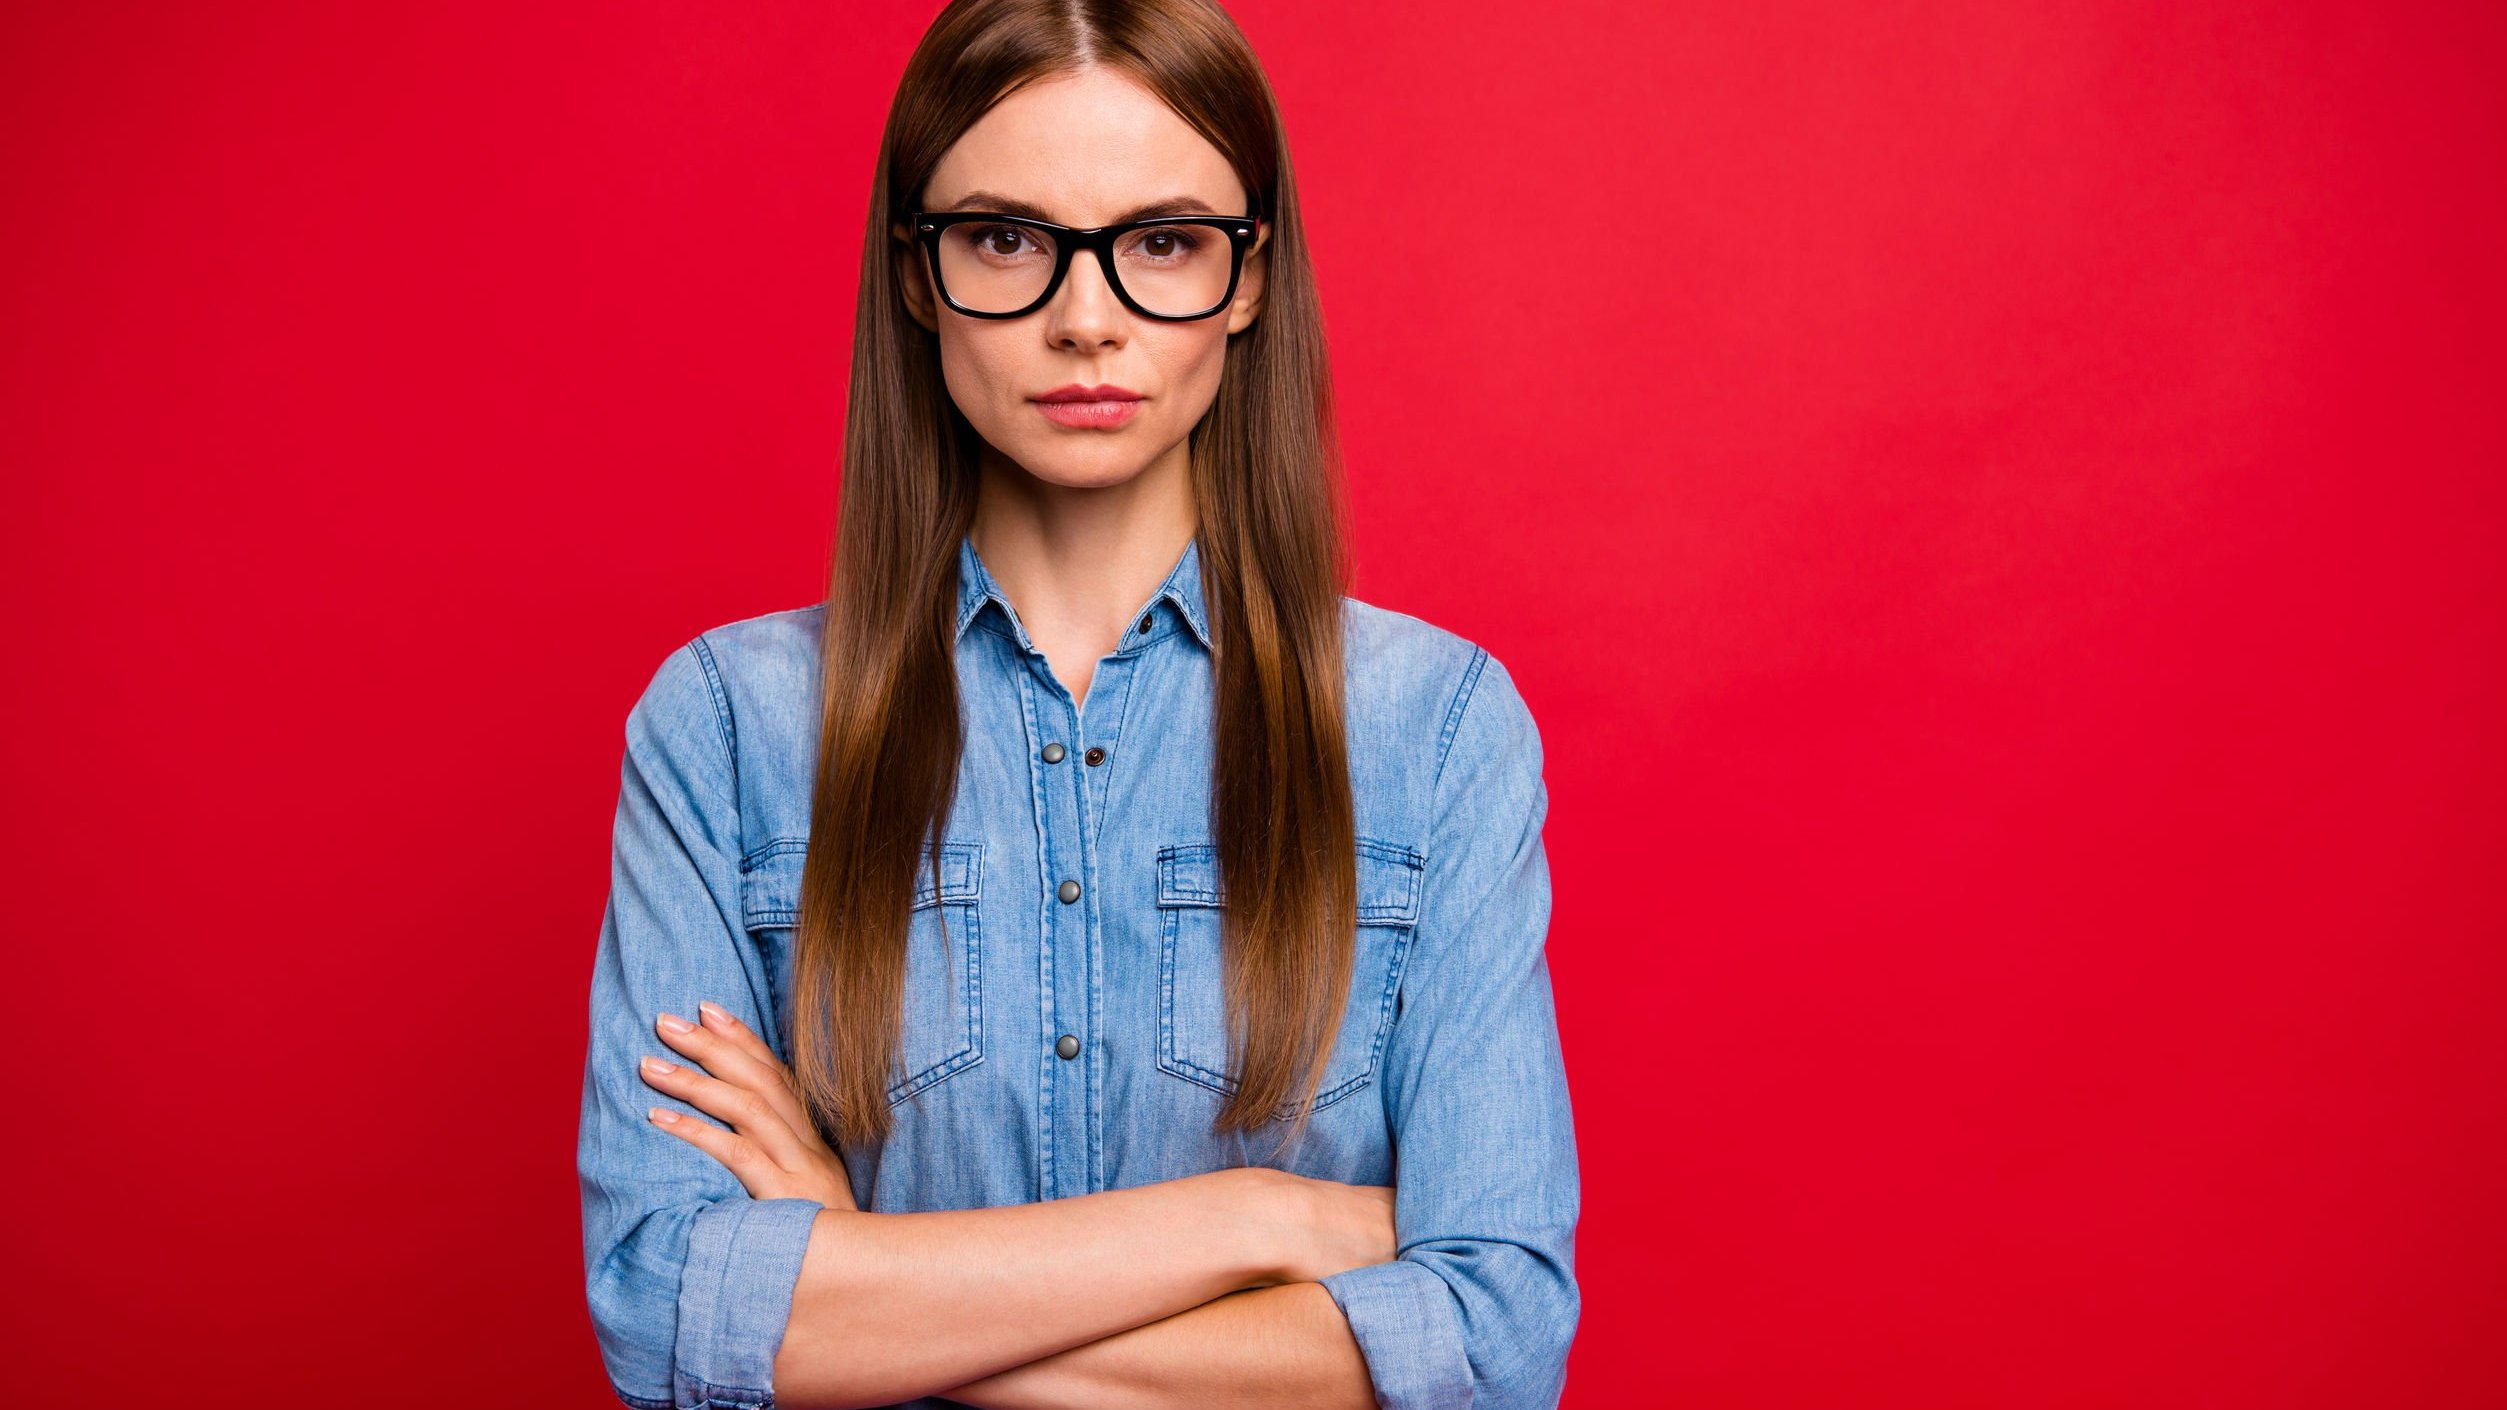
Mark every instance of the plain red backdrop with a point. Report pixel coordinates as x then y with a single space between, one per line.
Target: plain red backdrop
1995 508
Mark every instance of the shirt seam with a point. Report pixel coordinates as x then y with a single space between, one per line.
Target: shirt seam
727 730
1454 713
721 701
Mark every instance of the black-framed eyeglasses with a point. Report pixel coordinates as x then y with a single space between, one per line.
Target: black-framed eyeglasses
1171 267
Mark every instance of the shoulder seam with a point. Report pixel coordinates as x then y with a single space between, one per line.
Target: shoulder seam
721 701
1454 712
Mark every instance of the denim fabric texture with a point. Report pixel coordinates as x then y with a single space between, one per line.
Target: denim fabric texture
1446 1078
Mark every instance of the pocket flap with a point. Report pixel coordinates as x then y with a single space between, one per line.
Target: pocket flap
1388 879
1188 875
770 879
961 874
770 883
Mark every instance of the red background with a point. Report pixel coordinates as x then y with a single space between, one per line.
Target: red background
1995 507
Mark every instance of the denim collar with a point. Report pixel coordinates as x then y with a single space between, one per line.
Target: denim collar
1182 587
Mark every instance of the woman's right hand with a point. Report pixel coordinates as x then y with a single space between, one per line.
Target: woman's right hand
1329 1227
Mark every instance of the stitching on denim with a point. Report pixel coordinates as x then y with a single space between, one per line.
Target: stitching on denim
942 891
1173 857
639 1402
1172 589
965 956
1411 864
780 845
1172 892
711 1396
1453 713
1201 1076
721 699
1384 1003
965 953
965 890
717 1296
1122 731
970 600
1175 900
987 628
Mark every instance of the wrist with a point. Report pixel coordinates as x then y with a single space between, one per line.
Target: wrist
1264 1214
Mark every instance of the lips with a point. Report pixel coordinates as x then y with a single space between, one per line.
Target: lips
1099 408
1076 392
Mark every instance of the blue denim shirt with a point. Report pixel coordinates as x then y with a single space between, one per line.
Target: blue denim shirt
1446 1078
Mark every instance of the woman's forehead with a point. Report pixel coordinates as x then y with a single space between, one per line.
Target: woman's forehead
1092 148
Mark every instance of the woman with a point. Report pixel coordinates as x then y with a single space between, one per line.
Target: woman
1085 909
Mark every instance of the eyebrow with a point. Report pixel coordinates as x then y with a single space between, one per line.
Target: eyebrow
999 204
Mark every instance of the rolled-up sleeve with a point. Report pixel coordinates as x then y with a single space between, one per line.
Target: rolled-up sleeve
1480 1307
689 1280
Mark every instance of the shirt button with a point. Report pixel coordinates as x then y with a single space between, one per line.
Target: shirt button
1094 757
1069 892
1067 1046
1144 626
1053 753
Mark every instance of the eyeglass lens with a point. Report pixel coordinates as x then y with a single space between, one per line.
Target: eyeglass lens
1169 269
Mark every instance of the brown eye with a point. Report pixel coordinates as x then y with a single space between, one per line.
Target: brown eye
1001 243
1165 245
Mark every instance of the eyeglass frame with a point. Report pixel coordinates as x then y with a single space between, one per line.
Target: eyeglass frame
1069 241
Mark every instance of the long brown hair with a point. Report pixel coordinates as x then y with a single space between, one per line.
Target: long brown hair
1266 477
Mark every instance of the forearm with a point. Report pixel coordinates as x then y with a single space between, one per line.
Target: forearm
1269 1348
888 1307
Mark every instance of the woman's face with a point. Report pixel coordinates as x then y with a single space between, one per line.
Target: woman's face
1087 150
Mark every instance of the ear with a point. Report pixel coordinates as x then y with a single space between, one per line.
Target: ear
1249 282
914 278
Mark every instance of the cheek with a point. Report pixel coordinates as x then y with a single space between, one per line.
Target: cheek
1189 360
981 374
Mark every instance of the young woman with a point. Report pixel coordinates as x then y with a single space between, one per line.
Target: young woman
1024 971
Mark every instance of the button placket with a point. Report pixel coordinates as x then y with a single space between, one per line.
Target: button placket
1109 705
1067 959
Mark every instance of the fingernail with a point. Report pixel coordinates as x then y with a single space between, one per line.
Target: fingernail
667 1118
715 1011
676 1024
654 1064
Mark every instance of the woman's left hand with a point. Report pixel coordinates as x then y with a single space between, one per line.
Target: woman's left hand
772 1145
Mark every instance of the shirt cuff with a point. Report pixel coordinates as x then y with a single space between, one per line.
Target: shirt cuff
735 1296
1410 1332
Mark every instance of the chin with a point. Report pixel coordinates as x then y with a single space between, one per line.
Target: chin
1082 477
1072 468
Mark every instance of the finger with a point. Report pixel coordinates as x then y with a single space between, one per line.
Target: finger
735 1152
714 1018
754 1114
748 1064
718 1019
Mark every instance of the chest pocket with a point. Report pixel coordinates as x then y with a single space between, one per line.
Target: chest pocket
1192 1017
942 1030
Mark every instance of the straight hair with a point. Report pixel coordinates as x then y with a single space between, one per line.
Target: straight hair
1266 474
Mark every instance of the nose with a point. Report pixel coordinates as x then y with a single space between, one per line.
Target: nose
1085 312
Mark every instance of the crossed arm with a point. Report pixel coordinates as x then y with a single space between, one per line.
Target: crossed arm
1192 1291
1200 1315
1130 1297
1258 1347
